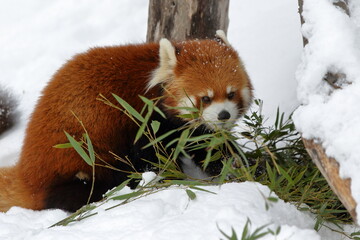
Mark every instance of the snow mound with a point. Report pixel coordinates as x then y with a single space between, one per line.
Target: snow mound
170 213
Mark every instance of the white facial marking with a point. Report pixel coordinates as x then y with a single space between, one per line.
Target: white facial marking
208 93
230 89
246 94
189 102
211 113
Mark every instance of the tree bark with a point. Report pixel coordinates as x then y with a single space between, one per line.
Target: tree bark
7 111
186 19
343 4
328 166
301 3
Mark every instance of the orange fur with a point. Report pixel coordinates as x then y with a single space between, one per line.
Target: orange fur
125 71
14 192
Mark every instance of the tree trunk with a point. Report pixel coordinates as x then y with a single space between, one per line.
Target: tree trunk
329 167
7 111
186 19
301 3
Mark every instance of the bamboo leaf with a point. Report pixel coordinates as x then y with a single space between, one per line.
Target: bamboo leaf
146 101
355 234
155 125
225 170
129 195
191 194
199 138
79 149
189 115
128 108
158 110
65 145
202 189
90 148
233 234
158 139
246 229
142 128
185 182
175 140
207 159
181 144
273 199
118 188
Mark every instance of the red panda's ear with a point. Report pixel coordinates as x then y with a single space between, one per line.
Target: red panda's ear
221 36
167 62
167 53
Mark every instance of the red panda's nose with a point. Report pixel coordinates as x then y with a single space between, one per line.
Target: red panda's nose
224 115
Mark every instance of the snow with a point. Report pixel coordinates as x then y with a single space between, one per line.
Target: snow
170 213
147 178
37 37
331 116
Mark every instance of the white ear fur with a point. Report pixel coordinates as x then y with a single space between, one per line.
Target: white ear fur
222 36
167 62
167 53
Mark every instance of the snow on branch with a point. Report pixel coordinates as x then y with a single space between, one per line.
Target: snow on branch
329 87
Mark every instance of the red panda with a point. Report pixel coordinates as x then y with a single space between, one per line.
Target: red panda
202 73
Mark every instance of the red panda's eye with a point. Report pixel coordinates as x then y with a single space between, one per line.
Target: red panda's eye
231 95
206 99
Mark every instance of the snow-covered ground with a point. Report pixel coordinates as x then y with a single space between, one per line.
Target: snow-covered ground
37 37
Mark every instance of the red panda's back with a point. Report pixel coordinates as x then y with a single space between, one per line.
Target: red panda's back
74 89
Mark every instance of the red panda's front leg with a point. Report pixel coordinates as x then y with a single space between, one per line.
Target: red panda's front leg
72 194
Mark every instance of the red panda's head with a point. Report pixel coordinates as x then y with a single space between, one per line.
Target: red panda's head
206 74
